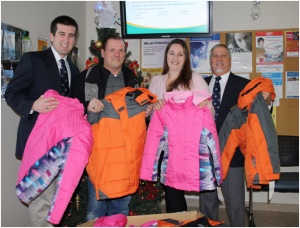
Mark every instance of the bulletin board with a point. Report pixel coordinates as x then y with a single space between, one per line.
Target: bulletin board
287 113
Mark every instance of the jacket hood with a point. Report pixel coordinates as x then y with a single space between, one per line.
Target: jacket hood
180 96
254 87
70 102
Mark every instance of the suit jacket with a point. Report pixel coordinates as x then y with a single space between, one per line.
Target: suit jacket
234 86
36 73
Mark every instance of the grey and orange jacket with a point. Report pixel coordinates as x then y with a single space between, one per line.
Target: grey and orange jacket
249 125
119 137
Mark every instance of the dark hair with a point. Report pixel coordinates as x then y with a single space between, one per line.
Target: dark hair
185 75
112 37
260 39
64 20
219 45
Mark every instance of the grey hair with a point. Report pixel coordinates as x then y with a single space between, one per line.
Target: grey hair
219 45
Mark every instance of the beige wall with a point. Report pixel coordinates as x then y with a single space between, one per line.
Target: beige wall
227 15
36 17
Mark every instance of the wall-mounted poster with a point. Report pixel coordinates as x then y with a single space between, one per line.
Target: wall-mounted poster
292 43
240 45
43 42
199 52
152 53
276 78
292 85
269 51
239 41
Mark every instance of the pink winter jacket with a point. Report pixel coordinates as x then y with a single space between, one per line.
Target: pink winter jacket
187 135
60 143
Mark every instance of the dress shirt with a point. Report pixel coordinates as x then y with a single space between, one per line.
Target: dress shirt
222 83
57 58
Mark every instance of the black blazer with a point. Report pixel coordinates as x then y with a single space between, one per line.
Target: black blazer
35 74
234 86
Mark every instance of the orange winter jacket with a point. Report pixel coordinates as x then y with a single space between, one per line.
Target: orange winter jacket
119 137
249 125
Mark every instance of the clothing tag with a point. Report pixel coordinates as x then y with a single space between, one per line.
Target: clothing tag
220 194
271 189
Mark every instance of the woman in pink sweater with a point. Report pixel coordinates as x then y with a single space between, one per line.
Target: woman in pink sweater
177 75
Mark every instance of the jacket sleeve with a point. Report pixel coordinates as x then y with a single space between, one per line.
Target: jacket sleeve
213 144
262 163
72 170
151 150
231 136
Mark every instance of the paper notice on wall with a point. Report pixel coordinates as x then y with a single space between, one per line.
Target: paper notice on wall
43 42
153 52
292 43
276 78
269 51
199 52
240 46
292 85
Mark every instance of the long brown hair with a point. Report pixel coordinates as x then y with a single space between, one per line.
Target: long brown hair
185 75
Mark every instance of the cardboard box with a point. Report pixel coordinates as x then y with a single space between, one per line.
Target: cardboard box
138 220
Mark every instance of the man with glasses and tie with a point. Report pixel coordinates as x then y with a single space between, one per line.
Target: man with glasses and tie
36 73
225 88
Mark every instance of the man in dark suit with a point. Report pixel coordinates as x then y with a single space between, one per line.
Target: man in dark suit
36 73
233 187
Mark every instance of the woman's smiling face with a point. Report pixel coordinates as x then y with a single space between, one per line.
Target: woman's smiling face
175 57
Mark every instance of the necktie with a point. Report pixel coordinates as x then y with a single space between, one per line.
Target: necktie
64 78
216 95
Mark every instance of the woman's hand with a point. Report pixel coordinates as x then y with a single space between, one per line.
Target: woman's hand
208 103
159 104
149 110
204 103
